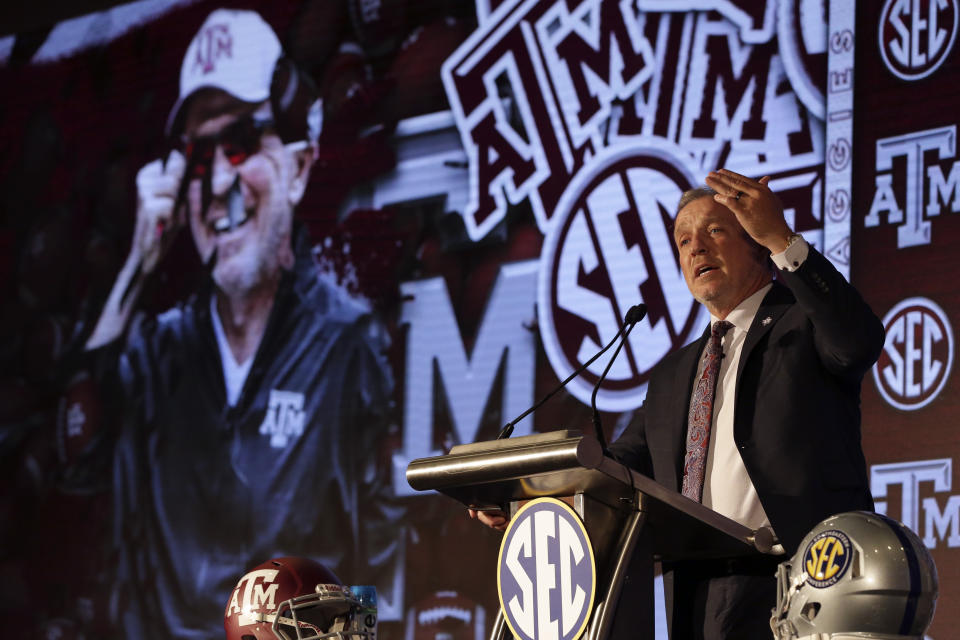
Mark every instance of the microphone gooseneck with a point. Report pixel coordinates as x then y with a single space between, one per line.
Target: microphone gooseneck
634 315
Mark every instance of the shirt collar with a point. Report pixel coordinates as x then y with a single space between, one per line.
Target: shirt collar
742 315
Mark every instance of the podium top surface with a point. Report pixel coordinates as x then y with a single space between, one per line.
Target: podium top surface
489 475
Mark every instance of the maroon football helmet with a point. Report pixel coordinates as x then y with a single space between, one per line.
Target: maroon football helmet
295 598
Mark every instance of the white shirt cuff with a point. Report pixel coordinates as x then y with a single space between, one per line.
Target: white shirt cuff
793 256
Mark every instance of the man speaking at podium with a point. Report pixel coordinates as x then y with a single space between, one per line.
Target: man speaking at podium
759 419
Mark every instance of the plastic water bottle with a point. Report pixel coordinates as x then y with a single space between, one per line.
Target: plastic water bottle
367 595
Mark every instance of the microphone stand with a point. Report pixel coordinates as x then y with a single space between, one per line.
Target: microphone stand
593 399
634 315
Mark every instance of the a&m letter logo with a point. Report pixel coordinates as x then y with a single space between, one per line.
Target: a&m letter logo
546 573
212 43
827 558
256 593
284 419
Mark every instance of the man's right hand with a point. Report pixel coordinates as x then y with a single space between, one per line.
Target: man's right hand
495 519
157 185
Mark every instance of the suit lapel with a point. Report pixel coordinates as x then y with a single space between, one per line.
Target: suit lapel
774 304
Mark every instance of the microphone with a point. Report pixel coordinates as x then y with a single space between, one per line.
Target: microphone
633 316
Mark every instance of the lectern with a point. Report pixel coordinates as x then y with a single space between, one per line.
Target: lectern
632 520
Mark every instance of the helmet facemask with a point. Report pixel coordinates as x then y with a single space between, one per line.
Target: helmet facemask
331 612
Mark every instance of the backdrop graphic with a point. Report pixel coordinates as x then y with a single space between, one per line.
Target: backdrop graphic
904 182
494 185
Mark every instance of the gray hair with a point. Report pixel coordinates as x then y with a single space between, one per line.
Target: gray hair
694 194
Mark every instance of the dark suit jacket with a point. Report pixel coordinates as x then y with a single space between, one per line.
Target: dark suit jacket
797 408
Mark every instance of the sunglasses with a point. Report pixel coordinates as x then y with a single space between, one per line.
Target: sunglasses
239 141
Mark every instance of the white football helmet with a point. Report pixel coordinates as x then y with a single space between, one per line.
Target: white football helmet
856 575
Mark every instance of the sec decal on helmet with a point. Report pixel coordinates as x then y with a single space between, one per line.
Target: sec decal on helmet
826 558
296 598
856 576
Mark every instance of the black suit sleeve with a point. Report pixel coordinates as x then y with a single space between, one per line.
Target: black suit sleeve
631 447
848 336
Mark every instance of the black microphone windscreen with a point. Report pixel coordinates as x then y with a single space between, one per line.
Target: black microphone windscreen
636 313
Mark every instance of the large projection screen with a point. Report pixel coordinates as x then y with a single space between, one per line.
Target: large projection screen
462 218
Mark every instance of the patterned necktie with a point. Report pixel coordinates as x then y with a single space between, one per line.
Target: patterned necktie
701 415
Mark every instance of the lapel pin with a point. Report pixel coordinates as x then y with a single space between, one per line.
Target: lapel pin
766 321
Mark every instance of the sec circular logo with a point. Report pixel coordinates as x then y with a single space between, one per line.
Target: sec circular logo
917 354
611 247
916 36
827 558
546 573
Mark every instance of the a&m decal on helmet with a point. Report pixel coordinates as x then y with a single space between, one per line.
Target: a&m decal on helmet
827 558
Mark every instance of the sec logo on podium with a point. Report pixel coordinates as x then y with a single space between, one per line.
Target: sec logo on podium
546 572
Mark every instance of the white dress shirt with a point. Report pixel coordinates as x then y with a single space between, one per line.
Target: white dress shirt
727 488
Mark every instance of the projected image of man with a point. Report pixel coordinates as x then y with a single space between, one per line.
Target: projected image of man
249 412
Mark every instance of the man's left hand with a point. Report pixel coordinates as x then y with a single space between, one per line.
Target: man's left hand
757 207
494 519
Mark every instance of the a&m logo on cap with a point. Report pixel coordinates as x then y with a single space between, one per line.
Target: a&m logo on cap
546 573
234 51
827 558
213 42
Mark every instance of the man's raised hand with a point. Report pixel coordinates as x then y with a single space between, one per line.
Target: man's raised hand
756 206
157 186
